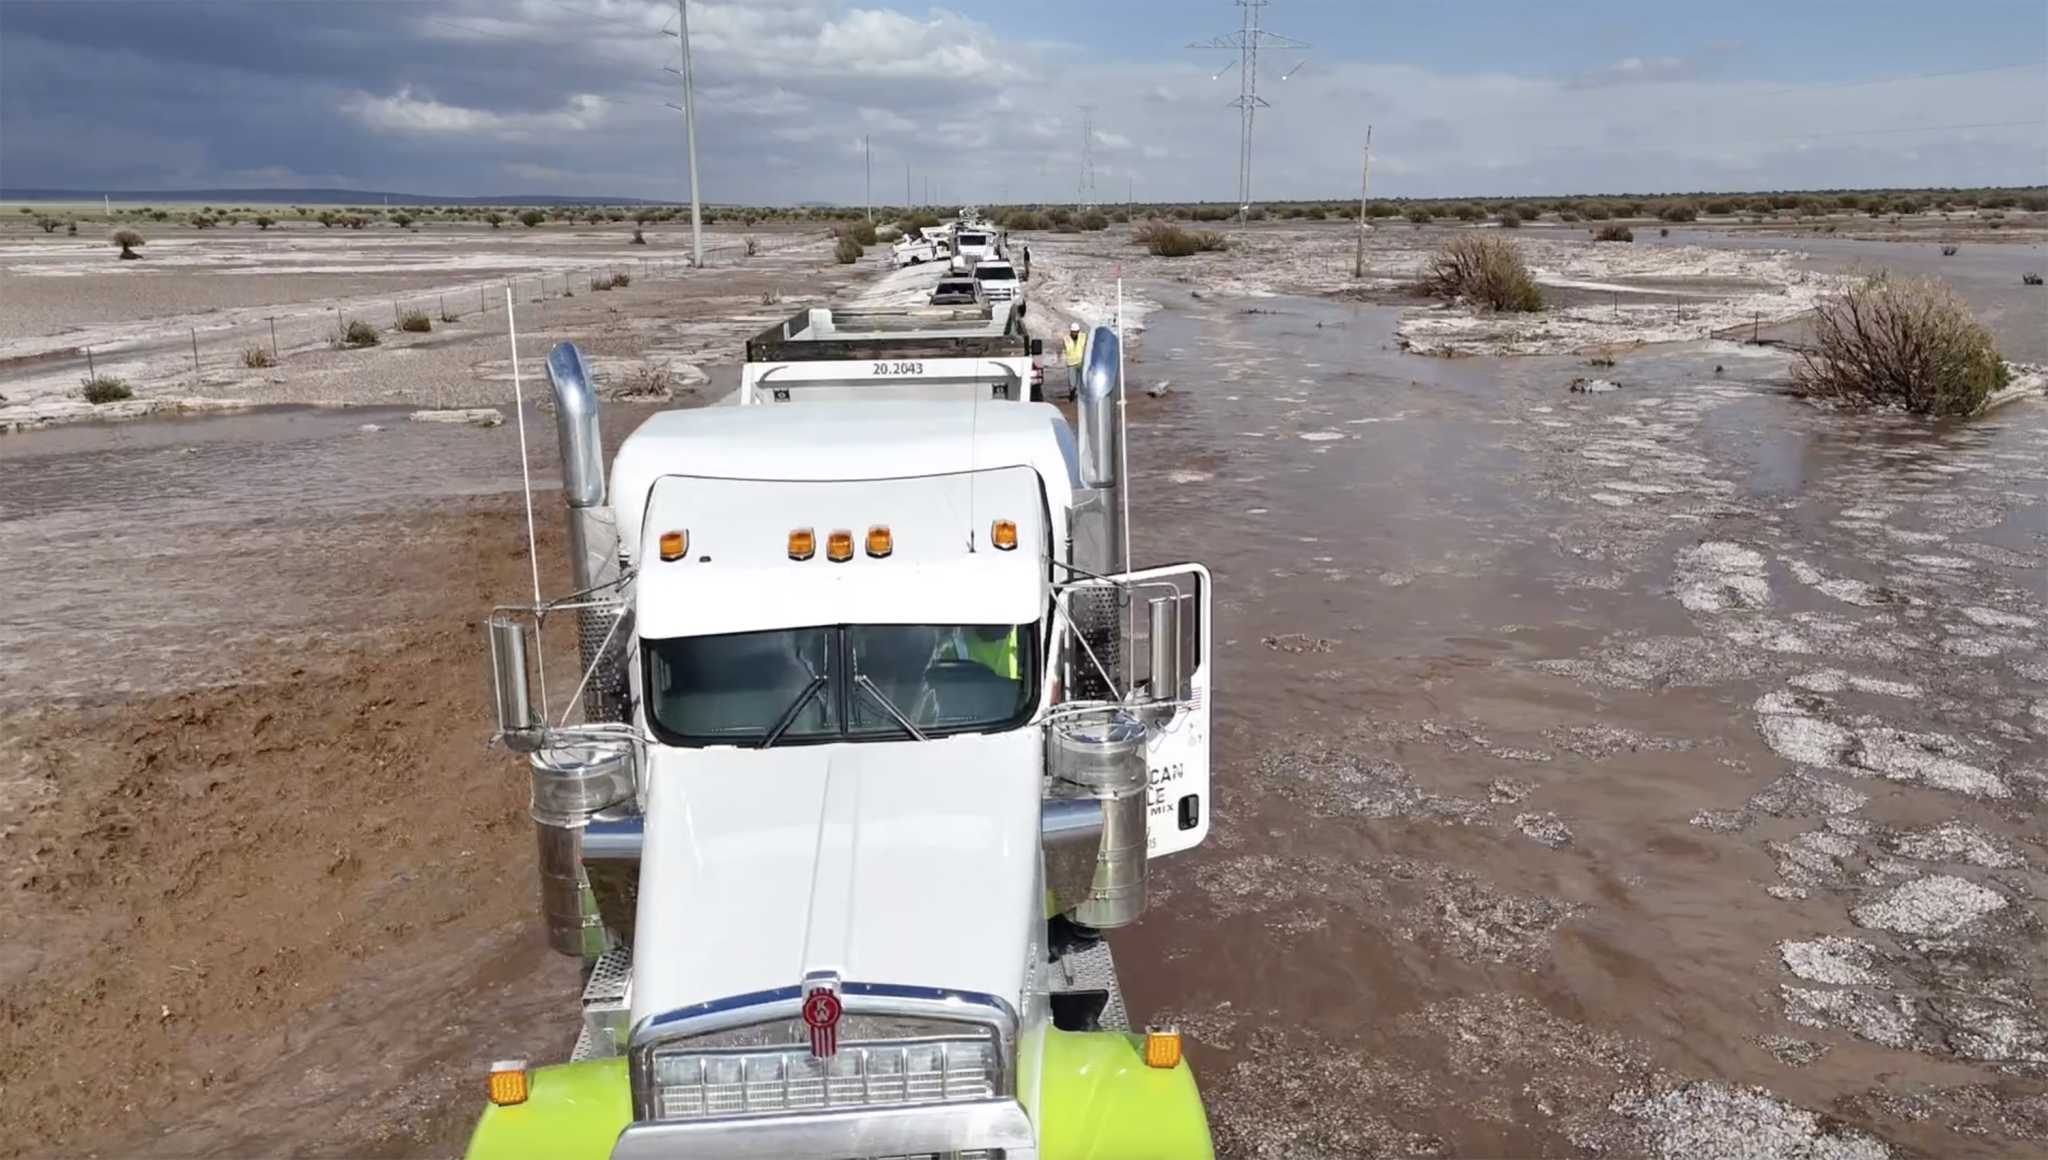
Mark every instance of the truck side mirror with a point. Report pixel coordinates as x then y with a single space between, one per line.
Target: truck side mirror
518 722
1037 344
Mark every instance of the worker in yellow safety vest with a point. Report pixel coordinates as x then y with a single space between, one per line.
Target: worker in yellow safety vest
992 646
1075 347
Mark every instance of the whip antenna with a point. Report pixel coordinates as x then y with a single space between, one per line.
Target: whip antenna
525 479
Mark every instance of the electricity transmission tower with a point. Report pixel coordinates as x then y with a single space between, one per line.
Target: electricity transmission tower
1247 41
1086 190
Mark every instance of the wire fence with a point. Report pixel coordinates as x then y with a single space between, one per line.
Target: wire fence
269 344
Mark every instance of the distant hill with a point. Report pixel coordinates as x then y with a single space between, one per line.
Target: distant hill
307 197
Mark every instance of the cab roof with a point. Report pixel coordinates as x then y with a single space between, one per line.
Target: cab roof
843 441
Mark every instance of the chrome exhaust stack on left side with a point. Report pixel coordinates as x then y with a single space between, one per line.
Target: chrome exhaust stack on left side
1098 531
593 534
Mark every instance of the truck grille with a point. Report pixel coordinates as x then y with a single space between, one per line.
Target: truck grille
699 1084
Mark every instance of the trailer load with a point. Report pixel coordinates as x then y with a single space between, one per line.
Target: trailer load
825 353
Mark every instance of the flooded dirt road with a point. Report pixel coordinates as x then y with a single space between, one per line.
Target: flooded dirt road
1652 771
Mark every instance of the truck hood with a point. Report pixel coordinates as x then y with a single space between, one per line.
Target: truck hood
912 863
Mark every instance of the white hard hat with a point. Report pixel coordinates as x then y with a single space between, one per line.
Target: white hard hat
1073 328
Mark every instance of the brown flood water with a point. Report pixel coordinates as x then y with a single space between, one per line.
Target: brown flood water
1585 761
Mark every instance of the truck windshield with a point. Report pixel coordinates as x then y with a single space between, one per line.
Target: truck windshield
988 273
974 239
868 682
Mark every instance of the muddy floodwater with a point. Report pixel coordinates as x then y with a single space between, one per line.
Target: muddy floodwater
1648 770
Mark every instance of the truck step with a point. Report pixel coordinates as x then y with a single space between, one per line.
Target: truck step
1093 968
606 995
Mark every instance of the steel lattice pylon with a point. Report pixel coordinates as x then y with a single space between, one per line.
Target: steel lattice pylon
1247 41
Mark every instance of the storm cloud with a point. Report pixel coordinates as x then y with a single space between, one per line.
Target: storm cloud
482 97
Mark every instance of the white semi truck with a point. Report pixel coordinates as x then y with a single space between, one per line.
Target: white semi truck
933 353
879 731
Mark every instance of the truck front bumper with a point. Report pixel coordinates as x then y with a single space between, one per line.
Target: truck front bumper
994 1125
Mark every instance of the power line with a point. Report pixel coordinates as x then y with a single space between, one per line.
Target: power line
1901 78
1247 41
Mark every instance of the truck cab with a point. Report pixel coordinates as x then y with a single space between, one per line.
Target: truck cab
971 245
879 738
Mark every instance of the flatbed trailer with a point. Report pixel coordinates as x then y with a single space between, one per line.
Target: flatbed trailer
937 352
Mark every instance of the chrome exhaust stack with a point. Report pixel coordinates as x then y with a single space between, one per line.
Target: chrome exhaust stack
1098 523
1099 758
573 782
593 533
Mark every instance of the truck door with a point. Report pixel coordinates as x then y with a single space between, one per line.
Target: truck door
1165 646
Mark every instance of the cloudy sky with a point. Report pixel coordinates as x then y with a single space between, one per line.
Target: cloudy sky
1467 97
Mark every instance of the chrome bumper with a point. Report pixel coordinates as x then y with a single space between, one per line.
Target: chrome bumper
839 1135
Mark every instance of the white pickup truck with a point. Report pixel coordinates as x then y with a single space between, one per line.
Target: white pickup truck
973 246
917 251
999 284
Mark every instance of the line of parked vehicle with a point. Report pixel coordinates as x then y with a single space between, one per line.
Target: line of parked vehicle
979 269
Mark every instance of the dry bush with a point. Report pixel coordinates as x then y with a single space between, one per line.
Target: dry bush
847 251
1903 342
622 279
105 389
127 240
415 321
1167 240
1614 232
639 239
358 333
1092 221
255 357
1486 271
751 245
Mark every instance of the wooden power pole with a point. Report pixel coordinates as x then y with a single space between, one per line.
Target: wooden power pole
1364 183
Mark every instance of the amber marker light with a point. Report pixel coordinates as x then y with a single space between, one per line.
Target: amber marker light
880 542
1162 1047
508 1082
803 544
674 544
839 546
1003 534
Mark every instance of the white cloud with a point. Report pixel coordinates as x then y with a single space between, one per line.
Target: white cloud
403 112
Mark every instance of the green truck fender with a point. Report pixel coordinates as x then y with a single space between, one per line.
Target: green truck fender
573 1111
1099 1101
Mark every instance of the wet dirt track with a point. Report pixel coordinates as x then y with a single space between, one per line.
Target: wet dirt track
1586 764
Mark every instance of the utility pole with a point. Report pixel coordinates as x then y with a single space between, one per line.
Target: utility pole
868 153
908 198
1085 192
1247 41
1364 183
690 133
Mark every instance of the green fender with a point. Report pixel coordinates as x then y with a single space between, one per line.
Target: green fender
573 1111
1098 1101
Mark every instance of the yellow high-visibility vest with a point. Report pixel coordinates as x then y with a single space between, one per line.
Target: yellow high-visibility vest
1074 346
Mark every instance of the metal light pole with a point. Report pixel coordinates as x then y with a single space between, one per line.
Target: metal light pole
690 130
1364 180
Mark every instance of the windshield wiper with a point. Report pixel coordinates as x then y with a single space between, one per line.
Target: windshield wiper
789 715
868 686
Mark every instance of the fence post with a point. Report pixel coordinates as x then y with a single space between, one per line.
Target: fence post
194 332
274 356
337 324
92 373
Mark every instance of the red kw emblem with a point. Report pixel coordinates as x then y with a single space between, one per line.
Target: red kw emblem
821 1015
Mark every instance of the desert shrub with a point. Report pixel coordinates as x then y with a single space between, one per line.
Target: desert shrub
127 240
2030 279
1720 206
601 282
1903 342
1761 205
1213 213
1465 211
71 229
355 221
327 218
1570 215
770 297
750 245
1092 221
622 279
847 251
358 333
265 221
1167 240
639 239
1948 251
2035 202
159 215
1420 214
532 218
496 219
862 233
1483 270
202 222
415 321
105 389
1679 211
1510 220
918 221
255 357
1381 209
49 224
1663 231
